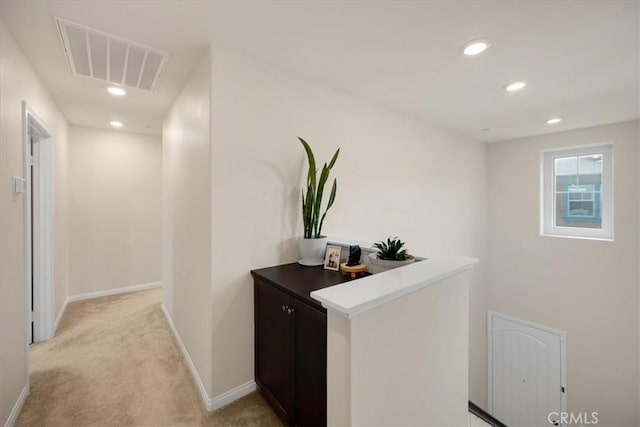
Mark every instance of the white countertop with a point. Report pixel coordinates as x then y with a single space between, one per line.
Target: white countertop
355 297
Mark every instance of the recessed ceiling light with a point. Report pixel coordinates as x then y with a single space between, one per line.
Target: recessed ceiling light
117 91
554 121
116 124
475 47
515 86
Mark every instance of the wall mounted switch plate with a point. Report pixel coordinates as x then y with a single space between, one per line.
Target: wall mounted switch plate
19 185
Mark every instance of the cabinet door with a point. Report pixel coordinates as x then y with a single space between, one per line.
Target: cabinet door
273 346
310 365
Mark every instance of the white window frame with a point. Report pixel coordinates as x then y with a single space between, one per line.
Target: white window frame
548 193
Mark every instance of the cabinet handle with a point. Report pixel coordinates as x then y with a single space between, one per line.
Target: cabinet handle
289 310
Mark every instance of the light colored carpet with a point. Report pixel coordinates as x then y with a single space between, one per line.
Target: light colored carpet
113 362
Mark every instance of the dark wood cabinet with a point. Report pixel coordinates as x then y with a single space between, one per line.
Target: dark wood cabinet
291 341
310 366
273 328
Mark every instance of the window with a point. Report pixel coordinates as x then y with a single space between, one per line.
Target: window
577 192
582 203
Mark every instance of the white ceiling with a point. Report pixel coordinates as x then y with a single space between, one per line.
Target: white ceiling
580 59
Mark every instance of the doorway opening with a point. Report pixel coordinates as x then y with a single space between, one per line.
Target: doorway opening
38 172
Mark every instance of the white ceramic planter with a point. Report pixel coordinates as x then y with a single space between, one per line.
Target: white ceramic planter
376 265
312 251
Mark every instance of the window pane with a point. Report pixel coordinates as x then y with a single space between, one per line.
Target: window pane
566 166
580 208
591 164
574 195
577 182
581 192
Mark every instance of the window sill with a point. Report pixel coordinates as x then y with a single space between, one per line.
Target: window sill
564 236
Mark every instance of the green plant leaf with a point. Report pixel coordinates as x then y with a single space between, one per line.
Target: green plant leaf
311 174
332 198
307 213
304 218
324 175
333 159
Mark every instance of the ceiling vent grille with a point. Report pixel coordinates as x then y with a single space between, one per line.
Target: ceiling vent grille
102 56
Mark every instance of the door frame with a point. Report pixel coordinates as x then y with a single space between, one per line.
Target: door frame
563 355
43 263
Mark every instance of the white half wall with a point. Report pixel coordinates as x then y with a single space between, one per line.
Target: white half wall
115 209
18 83
403 362
588 288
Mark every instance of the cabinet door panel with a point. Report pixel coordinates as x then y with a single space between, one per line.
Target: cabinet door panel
273 346
310 366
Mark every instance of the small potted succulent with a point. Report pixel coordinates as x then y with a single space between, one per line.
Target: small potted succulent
391 254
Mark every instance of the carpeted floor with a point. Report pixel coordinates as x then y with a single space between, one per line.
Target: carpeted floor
113 362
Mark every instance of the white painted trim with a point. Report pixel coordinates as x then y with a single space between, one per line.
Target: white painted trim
354 298
187 358
27 238
209 403
43 238
231 396
30 120
563 355
59 316
98 294
114 291
13 416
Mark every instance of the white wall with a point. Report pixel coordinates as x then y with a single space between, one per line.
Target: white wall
379 374
115 185
61 211
18 82
396 176
587 288
186 221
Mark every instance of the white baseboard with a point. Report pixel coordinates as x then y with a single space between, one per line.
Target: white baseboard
59 317
209 403
114 291
13 416
185 354
98 294
232 395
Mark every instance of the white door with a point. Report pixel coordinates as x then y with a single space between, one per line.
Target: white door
526 362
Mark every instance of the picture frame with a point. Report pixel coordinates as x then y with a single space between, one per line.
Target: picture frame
332 257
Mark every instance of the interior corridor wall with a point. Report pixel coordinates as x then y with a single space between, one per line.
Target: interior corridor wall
396 176
186 218
115 235
588 288
19 82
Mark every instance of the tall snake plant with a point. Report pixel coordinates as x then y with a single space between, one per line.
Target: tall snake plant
312 200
